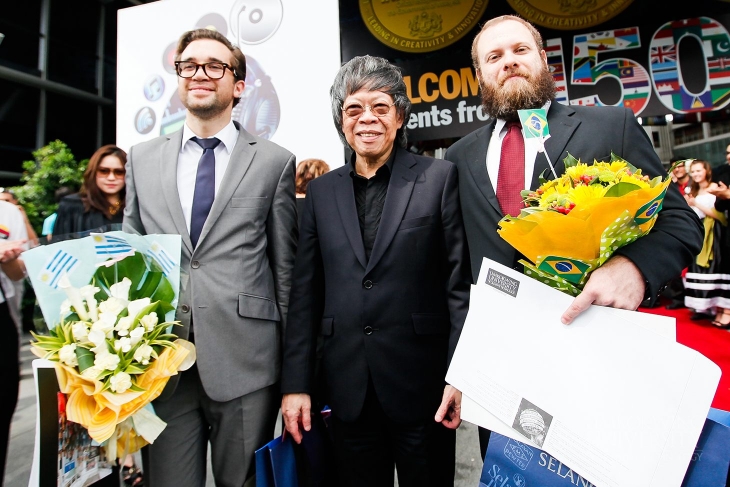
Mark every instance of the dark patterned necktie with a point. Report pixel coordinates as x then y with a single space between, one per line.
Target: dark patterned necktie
511 178
204 187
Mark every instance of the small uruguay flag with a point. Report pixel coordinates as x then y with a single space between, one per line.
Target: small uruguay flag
61 263
110 245
161 256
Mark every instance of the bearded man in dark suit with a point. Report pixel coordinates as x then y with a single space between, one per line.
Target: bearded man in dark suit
513 73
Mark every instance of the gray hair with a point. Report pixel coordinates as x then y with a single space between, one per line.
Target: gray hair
373 74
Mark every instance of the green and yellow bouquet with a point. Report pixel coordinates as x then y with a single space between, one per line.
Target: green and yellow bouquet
572 225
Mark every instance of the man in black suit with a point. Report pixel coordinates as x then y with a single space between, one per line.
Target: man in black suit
382 275
511 65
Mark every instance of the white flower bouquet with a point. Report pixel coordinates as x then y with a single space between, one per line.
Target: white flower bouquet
111 337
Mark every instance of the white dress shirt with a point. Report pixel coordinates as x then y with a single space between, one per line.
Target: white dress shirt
494 152
187 164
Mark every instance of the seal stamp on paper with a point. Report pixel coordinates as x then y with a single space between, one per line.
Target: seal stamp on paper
568 14
420 25
503 282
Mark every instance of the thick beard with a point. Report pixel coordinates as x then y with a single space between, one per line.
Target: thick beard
497 103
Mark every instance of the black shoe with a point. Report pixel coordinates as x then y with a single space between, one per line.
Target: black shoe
675 305
701 316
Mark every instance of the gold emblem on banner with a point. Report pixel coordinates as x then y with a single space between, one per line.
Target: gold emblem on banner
568 14
421 25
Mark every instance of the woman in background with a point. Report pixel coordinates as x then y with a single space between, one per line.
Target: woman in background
307 170
703 289
100 201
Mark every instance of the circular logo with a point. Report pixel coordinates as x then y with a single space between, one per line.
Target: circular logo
258 111
423 26
145 120
568 14
519 480
213 21
254 21
531 421
563 266
154 87
168 58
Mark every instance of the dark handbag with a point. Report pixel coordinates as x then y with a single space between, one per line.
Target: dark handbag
276 465
283 463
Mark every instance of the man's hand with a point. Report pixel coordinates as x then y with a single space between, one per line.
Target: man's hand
449 412
617 283
721 191
296 409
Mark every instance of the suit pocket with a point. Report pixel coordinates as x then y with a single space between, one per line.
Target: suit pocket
249 202
430 323
328 326
421 221
260 308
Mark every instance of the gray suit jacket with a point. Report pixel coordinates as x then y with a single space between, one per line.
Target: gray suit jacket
235 284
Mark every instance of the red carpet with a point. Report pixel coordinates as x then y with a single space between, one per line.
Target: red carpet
711 342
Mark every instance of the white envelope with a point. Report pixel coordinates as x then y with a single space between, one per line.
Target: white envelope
612 395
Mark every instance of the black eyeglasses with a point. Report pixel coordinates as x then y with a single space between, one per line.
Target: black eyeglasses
105 172
214 70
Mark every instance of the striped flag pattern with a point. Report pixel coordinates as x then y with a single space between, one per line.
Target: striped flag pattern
160 255
59 264
110 245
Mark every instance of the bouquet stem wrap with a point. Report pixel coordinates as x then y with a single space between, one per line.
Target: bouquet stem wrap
101 412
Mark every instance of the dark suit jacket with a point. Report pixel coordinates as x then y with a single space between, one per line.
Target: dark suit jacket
396 317
588 133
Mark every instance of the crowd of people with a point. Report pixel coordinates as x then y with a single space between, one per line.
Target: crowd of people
349 287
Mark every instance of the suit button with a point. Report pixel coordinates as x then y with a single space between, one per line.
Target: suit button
368 329
368 285
195 264
185 308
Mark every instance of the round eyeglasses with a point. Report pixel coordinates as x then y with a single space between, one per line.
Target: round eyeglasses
355 110
214 70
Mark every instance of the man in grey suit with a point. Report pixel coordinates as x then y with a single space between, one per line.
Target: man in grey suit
230 195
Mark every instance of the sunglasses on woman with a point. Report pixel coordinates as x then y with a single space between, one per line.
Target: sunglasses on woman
105 171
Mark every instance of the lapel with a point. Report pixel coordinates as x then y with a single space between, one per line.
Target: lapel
562 125
345 197
240 161
400 188
478 163
170 151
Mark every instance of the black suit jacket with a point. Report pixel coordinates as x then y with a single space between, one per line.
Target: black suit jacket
588 133
396 317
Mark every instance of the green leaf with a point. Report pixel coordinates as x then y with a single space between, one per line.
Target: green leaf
149 284
132 267
85 358
164 293
134 370
621 189
570 161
